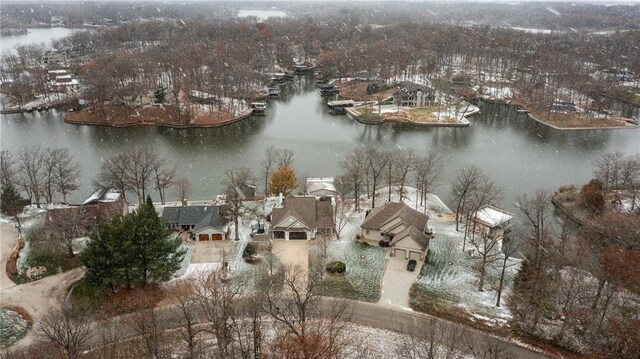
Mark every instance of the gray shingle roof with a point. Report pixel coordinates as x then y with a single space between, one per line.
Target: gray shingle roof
199 216
379 216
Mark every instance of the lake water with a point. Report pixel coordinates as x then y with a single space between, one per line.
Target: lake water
261 14
520 154
35 36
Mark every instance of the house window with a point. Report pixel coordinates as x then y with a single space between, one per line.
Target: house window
367 231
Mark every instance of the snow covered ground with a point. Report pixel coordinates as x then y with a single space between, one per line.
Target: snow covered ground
12 327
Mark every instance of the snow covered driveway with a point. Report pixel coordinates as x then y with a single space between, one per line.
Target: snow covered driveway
397 282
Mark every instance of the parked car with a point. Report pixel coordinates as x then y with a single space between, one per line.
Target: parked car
411 266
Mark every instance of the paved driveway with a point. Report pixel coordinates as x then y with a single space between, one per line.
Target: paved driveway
294 252
397 282
211 251
8 241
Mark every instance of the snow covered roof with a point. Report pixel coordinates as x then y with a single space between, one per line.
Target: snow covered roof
103 195
492 216
320 184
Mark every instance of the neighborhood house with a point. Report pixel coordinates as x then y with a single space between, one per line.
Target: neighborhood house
99 208
492 223
321 187
414 95
403 228
202 223
302 218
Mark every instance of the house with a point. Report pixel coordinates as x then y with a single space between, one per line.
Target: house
245 191
321 187
414 95
99 208
492 223
563 106
302 218
203 223
402 227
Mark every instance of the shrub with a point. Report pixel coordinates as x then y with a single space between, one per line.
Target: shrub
383 243
336 267
593 196
249 252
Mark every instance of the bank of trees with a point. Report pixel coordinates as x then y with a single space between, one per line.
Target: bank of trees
138 170
366 169
577 285
41 174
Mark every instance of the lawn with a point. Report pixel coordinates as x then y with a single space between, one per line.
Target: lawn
448 280
365 268
573 119
13 327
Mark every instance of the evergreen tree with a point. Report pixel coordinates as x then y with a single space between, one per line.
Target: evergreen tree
11 203
157 257
132 249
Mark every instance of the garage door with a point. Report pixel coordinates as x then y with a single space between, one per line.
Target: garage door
216 236
414 255
400 253
297 235
203 237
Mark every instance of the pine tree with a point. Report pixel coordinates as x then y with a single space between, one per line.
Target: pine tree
11 203
132 249
157 256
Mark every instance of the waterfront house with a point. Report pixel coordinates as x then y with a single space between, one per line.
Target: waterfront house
321 187
563 106
401 227
490 223
412 94
302 218
328 89
202 223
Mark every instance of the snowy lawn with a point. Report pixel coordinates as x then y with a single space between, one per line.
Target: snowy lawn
251 273
365 267
449 280
186 260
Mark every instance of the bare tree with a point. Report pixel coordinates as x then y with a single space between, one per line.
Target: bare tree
152 335
235 179
464 183
405 164
114 174
284 157
140 167
8 170
267 164
183 296
536 211
354 167
433 340
609 169
376 162
67 330
510 246
164 177
487 348
427 173
65 173
344 216
183 188
31 163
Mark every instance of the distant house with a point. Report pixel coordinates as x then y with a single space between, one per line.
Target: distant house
99 208
491 222
321 187
563 106
203 223
244 191
302 218
412 94
402 227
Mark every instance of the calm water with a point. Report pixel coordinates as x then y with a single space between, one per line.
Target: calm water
35 36
521 154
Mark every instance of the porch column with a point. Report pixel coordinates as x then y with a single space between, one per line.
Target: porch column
286 235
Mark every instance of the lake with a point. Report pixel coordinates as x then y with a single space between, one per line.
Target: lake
35 36
520 154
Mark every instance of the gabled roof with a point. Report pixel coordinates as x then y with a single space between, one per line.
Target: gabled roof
412 232
307 210
413 87
103 195
198 216
390 211
492 217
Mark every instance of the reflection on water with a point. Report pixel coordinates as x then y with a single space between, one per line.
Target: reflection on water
521 154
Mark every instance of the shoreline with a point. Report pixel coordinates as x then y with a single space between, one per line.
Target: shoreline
240 117
350 113
531 116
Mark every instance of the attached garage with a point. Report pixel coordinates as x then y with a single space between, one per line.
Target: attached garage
216 237
415 255
208 234
399 253
298 235
203 237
